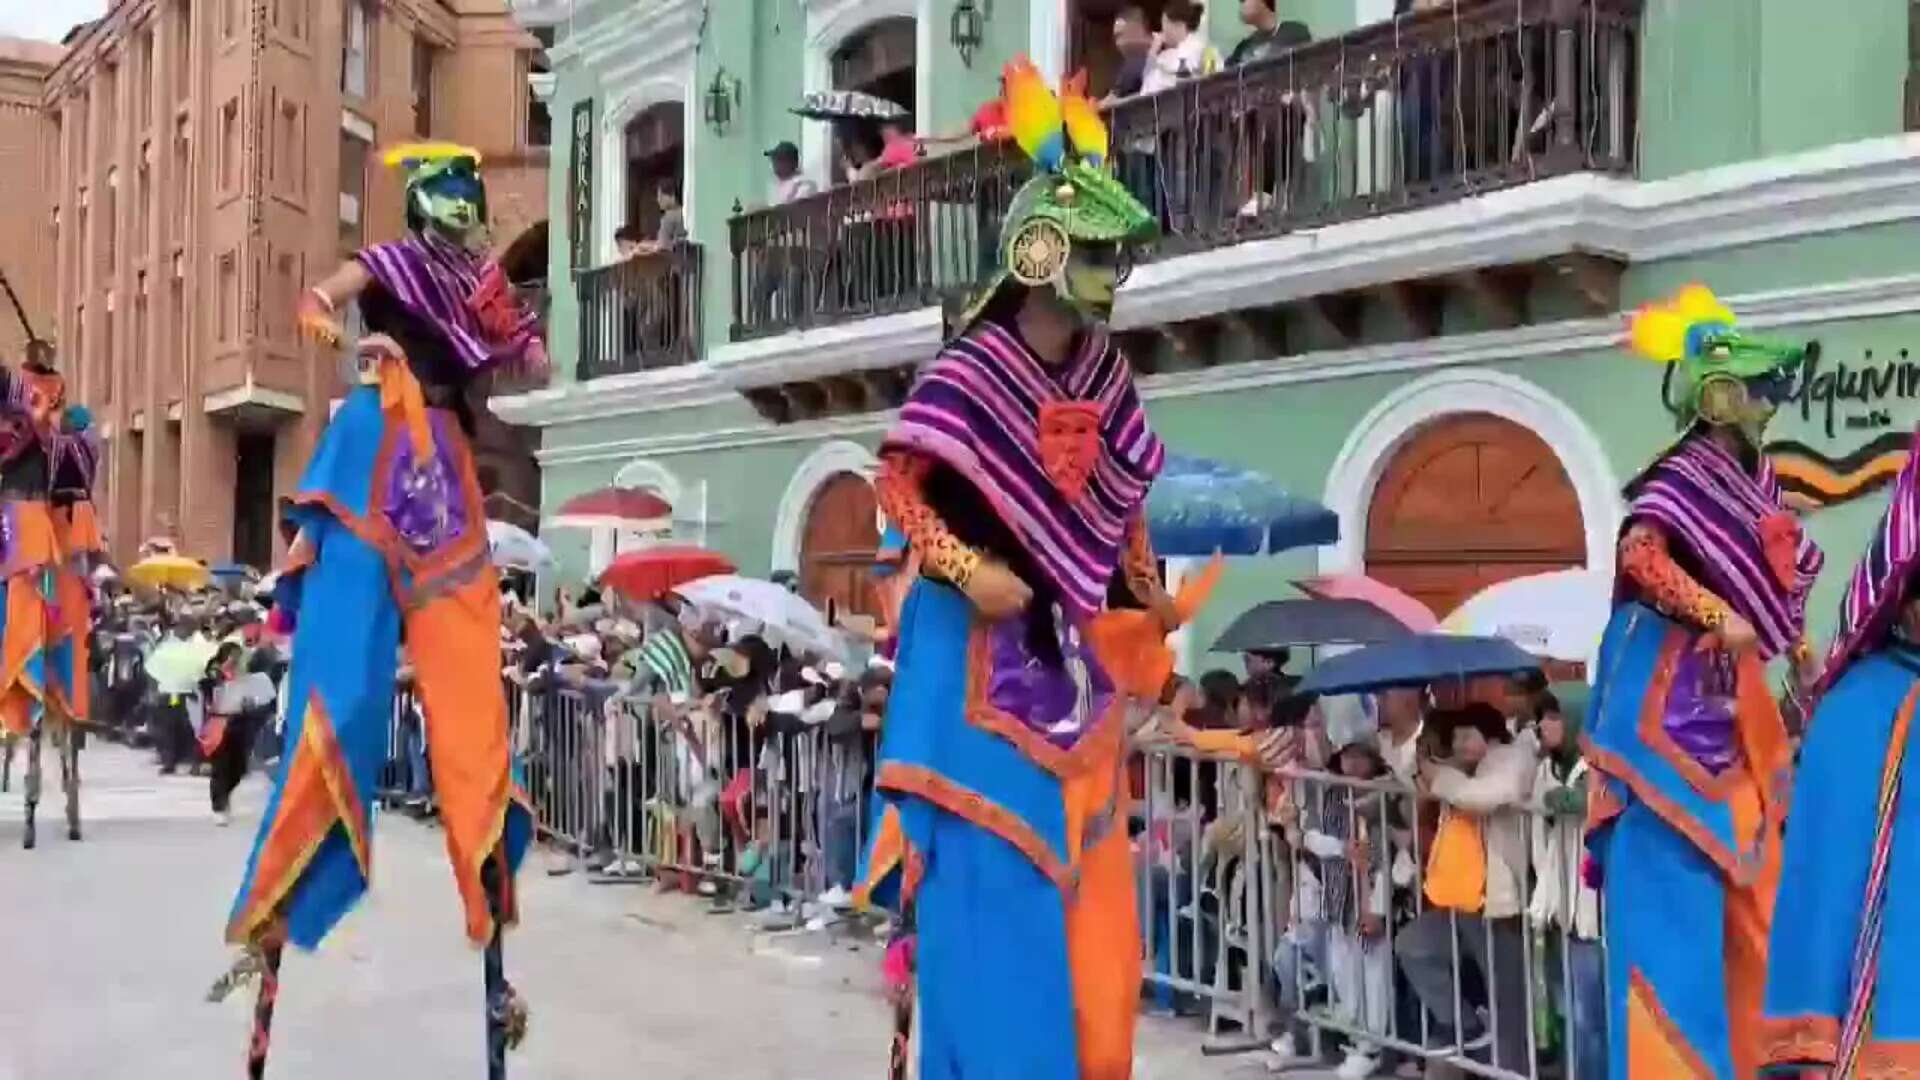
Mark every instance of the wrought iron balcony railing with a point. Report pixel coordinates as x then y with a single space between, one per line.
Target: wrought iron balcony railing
640 313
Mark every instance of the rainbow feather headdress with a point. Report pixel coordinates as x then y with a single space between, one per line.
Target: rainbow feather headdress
1072 196
1694 335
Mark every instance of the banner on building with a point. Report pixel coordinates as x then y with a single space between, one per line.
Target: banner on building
580 186
1847 426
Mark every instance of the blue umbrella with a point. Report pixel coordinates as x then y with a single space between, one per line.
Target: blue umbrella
1199 506
1415 661
231 570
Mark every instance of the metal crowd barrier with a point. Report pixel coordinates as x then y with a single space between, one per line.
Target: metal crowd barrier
763 813
1296 904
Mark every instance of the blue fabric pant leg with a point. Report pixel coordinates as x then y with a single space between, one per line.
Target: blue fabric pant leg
1586 963
995 997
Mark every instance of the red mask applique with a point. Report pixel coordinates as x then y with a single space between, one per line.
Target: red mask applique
1070 444
493 304
1780 540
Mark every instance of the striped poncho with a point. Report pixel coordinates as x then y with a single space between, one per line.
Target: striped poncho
1745 544
1881 582
978 409
449 287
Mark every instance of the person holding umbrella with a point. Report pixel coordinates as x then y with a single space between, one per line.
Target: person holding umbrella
1687 740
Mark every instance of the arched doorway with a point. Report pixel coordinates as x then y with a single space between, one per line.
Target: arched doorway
654 152
1469 500
837 547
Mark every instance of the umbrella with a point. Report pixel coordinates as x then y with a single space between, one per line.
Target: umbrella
785 616
651 572
164 570
1559 615
1199 506
1416 660
1417 616
848 105
513 546
614 508
1280 623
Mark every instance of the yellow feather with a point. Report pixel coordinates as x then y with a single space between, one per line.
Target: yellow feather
1084 126
1696 303
1033 113
1659 330
428 151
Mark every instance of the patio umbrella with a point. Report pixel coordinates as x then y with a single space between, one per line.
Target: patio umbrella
633 509
848 105
1416 660
1417 616
785 616
1281 623
1198 506
1559 615
513 546
177 571
651 573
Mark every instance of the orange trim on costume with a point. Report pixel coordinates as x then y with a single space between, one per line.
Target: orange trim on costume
1655 1047
318 731
969 805
1888 1061
889 851
1746 865
307 813
985 715
1799 1040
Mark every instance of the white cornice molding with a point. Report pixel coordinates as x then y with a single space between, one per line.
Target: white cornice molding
1831 189
636 36
687 386
713 440
866 344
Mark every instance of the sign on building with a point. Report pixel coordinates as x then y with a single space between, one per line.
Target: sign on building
580 186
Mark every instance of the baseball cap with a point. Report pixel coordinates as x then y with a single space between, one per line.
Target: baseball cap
784 148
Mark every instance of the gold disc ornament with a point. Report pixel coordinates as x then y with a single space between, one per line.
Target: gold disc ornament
1038 252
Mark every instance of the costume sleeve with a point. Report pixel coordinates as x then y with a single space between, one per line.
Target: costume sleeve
1138 562
901 488
1645 558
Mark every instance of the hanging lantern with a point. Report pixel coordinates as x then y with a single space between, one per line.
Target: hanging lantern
723 96
967 29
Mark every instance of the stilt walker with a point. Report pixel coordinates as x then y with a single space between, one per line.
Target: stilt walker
82 546
33 415
392 547
1018 473
1843 995
1687 738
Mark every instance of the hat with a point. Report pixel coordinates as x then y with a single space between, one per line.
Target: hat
783 148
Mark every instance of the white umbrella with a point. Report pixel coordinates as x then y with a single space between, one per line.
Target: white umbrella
783 616
1559 615
513 546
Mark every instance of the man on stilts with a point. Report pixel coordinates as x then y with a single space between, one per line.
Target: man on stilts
392 548
40 436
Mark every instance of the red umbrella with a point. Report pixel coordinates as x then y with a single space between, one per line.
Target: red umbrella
652 572
632 509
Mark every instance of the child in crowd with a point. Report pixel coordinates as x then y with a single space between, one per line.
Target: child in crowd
1565 908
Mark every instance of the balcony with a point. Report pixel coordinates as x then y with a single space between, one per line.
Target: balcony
640 314
1399 116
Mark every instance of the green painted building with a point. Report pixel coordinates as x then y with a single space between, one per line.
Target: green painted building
1396 264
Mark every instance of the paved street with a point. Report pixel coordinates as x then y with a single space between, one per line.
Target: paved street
109 946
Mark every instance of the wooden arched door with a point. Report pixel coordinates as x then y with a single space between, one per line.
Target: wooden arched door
838 546
1469 501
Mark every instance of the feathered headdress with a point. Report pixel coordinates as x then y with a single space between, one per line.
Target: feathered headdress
1696 337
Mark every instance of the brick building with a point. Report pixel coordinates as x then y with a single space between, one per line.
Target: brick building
24 175
212 157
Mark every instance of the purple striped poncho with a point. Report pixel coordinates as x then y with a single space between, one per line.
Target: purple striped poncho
436 279
1879 584
976 408
1710 506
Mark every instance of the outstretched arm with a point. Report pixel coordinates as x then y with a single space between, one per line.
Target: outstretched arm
318 316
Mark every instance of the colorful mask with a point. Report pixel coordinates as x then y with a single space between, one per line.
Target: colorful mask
1724 378
1069 228
444 189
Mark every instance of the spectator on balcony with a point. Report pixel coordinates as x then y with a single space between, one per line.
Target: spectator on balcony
1182 50
1133 37
1267 36
672 230
789 184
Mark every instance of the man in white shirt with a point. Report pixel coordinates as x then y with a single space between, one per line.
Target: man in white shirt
781 279
788 183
